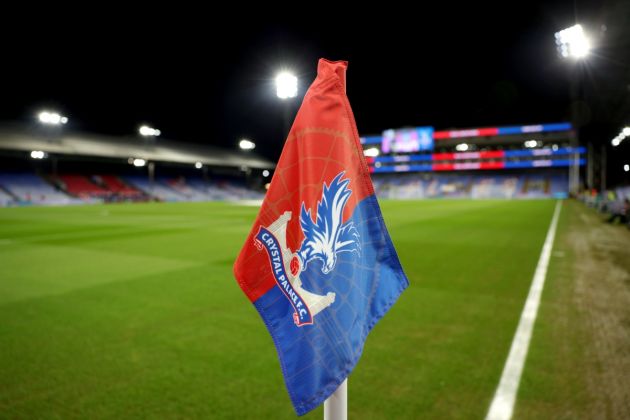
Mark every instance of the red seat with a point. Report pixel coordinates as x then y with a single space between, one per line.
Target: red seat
117 186
82 186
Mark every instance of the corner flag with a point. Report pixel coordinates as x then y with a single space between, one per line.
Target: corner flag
318 264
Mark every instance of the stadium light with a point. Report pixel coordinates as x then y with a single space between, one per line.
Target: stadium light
198 165
139 162
625 132
147 131
38 154
572 42
245 144
626 168
371 152
530 144
286 85
265 173
52 118
462 147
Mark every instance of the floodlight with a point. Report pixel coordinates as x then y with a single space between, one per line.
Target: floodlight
246 144
286 85
371 152
147 131
52 118
572 42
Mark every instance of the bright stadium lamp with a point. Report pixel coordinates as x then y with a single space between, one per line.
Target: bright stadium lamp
245 144
462 147
38 154
265 173
198 165
147 131
52 118
572 42
286 85
371 152
626 168
139 162
530 144
625 132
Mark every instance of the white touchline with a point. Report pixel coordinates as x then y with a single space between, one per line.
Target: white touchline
503 403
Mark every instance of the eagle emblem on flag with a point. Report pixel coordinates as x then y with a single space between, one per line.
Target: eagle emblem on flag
324 238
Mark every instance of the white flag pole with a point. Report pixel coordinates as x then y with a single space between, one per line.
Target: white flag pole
336 406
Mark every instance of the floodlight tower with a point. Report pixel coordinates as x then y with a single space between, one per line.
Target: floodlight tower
52 122
573 44
149 135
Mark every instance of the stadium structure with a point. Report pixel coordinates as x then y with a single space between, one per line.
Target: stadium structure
43 166
529 161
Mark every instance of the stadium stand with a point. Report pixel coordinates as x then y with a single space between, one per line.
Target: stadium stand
232 191
117 186
31 189
195 189
93 168
80 186
415 186
213 190
159 189
515 162
186 190
6 199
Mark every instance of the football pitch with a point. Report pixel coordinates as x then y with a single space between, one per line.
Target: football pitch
131 311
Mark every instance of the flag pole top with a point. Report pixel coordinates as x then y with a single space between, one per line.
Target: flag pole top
327 68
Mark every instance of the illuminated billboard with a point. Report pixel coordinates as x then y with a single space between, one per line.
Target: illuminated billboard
407 140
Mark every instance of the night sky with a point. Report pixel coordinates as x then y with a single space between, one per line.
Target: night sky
449 67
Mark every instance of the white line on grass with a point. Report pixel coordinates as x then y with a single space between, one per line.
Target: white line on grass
502 405
250 203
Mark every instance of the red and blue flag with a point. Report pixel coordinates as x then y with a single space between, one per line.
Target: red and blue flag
319 265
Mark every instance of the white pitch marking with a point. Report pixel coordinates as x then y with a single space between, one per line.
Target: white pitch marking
250 203
502 405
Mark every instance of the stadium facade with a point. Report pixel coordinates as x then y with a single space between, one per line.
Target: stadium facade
529 161
47 166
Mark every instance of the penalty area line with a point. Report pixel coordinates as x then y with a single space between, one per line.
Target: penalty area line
502 405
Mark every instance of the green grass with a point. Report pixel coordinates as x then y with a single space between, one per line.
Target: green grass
552 383
131 311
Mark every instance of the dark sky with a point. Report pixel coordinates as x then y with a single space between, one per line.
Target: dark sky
197 81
